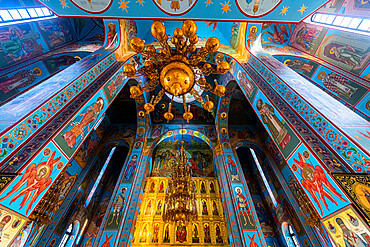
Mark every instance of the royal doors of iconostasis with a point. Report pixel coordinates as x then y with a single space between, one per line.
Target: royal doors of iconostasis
210 228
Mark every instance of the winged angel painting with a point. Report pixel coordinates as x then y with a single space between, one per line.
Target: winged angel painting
37 178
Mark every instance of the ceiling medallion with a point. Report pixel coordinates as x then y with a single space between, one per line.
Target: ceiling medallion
176 67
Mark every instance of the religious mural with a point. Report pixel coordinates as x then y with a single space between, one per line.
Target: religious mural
307 37
70 138
318 185
19 42
357 187
10 225
276 34
115 216
56 32
279 130
346 228
200 157
336 50
24 193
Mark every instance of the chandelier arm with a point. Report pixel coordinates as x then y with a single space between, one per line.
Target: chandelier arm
184 102
197 96
158 97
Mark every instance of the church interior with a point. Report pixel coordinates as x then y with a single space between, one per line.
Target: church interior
240 123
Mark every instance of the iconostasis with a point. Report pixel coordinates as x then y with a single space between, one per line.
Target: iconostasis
210 228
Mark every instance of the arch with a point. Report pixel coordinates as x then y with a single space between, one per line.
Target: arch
184 132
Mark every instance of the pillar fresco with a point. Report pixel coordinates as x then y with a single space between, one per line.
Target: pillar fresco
247 222
115 229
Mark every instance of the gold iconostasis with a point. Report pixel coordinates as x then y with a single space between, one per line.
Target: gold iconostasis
210 229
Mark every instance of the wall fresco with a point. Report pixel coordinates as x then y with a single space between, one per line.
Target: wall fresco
343 50
71 136
280 131
323 192
307 37
346 228
31 100
338 114
276 33
18 43
24 193
11 224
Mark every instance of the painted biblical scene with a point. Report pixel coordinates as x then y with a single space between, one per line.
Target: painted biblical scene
346 228
279 130
277 34
76 130
199 153
19 42
307 37
348 51
56 32
357 187
323 192
24 193
10 226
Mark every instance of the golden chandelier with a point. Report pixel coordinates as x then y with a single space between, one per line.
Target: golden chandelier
176 67
180 201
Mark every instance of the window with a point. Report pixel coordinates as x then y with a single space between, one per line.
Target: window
293 235
66 236
14 16
99 177
346 23
263 177
289 235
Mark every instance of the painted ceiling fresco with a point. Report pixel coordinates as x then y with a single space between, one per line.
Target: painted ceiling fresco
199 153
250 10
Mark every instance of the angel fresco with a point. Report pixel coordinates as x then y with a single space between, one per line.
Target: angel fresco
278 37
305 37
37 179
89 115
315 182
